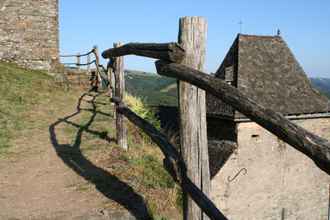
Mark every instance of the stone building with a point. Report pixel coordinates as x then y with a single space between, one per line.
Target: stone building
262 177
29 32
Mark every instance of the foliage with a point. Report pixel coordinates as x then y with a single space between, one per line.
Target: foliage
138 106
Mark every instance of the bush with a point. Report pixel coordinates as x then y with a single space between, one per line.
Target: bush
137 105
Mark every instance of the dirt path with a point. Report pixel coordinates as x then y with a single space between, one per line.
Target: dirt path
39 180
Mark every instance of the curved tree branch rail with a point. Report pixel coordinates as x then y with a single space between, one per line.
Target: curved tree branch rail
166 51
79 55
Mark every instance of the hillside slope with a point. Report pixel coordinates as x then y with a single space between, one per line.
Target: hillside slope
154 89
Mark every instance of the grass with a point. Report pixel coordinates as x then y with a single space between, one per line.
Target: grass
153 173
31 101
20 91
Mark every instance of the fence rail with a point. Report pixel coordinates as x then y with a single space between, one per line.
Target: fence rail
96 62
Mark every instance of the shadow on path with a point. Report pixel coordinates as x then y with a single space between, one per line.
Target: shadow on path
109 185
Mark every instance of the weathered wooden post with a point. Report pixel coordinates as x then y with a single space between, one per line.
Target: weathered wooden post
78 60
109 73
88 63
118 68
97 64
193 134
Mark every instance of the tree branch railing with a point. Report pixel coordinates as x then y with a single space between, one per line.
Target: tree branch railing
78 55
81 64
313 146
166 51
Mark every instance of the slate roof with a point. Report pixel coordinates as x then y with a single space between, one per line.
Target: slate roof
265 69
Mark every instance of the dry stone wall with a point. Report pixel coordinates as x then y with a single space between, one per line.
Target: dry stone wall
29 32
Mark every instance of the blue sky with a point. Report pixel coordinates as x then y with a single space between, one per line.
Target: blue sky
305 25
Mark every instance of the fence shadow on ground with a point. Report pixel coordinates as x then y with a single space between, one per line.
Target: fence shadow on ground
109 185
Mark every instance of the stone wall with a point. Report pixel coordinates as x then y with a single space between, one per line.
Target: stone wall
29 32
276 181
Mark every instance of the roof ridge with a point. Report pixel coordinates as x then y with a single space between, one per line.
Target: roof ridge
258 36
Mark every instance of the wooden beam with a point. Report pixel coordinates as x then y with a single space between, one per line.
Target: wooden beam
173 161
192 107
313 146
118 68
167 51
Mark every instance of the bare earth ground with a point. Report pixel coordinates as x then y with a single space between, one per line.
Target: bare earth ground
46 176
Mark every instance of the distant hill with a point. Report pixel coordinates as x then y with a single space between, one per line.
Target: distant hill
322 84
159 90
154 89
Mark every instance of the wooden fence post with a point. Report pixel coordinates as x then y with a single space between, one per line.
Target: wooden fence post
193 134
110 79
78 60
97 64
118 68
88 63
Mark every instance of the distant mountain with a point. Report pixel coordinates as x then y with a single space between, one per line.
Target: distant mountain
322 84
159 90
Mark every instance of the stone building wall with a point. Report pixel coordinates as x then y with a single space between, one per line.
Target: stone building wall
276 181
29 32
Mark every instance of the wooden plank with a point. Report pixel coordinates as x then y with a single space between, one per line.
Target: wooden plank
313 146
173 162
166 51
192 106
118 68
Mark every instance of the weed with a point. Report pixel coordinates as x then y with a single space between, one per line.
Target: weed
154 175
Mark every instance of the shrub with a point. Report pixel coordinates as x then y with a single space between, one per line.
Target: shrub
137 105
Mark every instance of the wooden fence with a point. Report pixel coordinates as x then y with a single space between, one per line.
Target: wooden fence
184 61
89 63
